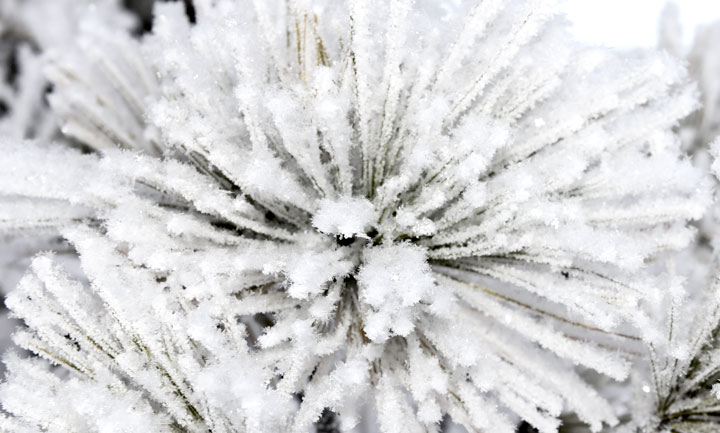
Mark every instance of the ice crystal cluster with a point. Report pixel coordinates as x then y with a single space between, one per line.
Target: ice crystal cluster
380 215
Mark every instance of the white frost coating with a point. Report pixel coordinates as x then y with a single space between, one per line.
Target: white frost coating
675 387
393 280
345 217
400 210
309 272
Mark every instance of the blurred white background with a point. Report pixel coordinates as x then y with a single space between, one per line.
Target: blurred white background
633 23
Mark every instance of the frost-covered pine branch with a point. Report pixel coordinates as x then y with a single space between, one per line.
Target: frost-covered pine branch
26 38
410 209
26 43
30 31
677 389
676 386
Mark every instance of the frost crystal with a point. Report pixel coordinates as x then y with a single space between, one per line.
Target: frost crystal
345 217
286 209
